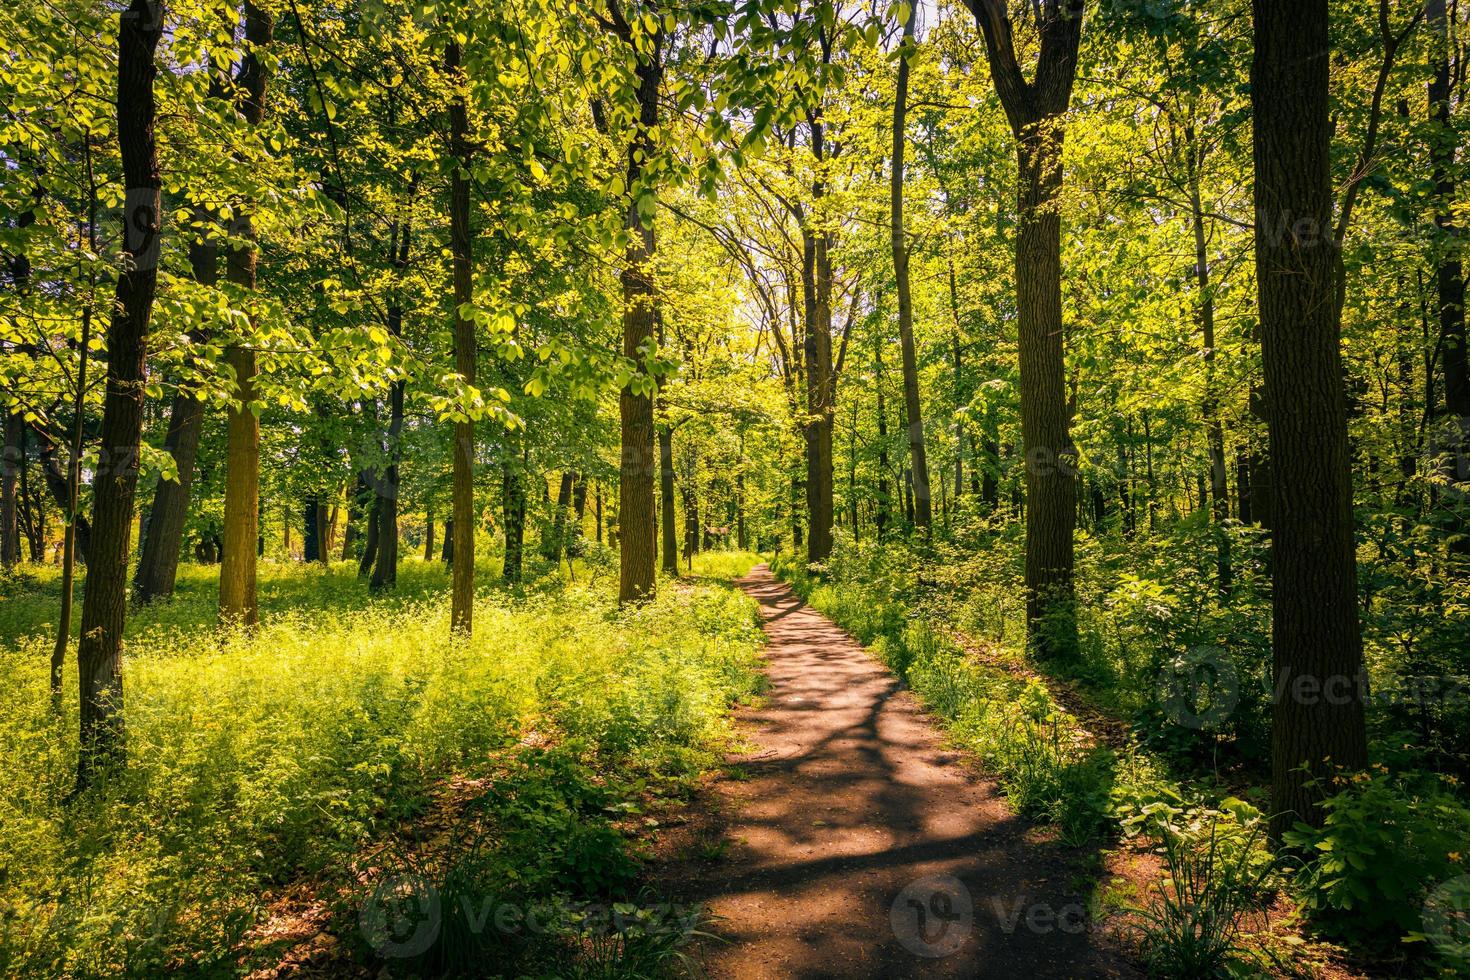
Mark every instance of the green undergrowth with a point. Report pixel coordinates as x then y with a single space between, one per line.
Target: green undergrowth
255 759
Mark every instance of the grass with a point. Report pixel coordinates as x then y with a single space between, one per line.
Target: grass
258 758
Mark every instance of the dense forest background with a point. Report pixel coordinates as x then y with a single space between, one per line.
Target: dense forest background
1118 345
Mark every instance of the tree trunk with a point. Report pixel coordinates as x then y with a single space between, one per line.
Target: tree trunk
636 517
10 466
104 609
670 550
1036 112
1454 438
884 511
1215 432
513 510
463 567
918 454
237 592
554 542
817 283
385 572
446 551
429 535
370 541
1318 714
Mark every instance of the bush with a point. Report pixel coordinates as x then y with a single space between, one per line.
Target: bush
1388 840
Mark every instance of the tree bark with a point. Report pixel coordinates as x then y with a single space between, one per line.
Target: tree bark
237 577
385 572
1453 442
1035 110
670 550
104 609
158 561
636 516
513 509
884 511
10 465
918 454
462 588
1215 432
1318 711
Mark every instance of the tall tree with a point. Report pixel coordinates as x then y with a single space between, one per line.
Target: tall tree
463 547
1317 662
1035 109
918 456
1450 275
636 515
104 609
237 594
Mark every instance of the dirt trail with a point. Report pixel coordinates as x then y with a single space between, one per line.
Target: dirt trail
859 846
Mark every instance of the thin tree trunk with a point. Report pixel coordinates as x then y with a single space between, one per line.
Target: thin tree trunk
429 535
1454 439
71 506
513 510
918 453
10 466
463 566
237 577
670 549
1318 714
1036 112
104 609
385 572
1215 432
884 504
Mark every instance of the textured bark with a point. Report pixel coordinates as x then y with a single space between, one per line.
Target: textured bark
158 562
385 571
884 512
820 384
237 576
158 559
462 589
10 464
918 453
1214 431
1318 714
513 510
670 550
1035 110
104 610
553 543
1450 277
636 515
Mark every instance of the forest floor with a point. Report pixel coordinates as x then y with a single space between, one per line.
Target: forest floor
848 840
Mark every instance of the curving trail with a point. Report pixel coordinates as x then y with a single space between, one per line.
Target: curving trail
859 846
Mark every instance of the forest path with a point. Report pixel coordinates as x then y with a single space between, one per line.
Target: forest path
857 845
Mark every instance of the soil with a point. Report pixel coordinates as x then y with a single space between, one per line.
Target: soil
849 841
